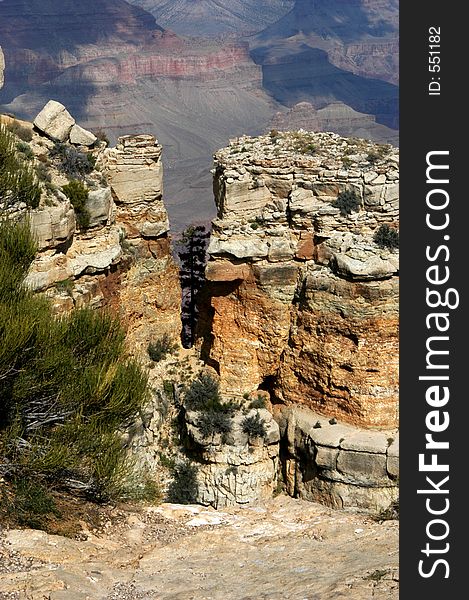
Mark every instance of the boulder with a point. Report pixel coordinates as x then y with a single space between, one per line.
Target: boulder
55 121
82 137
52 225
99 205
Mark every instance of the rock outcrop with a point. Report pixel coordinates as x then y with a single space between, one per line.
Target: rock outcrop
150 293
57 123
122 258
301 301
336 464
239 469
115 68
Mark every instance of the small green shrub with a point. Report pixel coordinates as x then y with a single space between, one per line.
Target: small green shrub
347 162
214 421
166 461
390 513
77 193
184 487
24 133
377 575
161 348
373 157
258 402
68 389
66 286
43 173
387 237
203 393
347 202
302 142
254 426
101 135
72 162
25 150
31 504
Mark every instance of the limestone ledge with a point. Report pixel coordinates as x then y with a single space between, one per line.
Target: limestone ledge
91 254
336 464
122 260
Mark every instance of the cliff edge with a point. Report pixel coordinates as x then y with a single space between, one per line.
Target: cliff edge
302 301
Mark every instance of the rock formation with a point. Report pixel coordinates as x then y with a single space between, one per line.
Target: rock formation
336 464
301 307
115 68
58 124
122 259
150 293
239 469
302 302
336 117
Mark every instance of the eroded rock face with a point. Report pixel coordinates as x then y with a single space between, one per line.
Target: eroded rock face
149 295
301 300
122 259
237 469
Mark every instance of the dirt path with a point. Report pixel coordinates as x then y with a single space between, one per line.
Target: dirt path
286 549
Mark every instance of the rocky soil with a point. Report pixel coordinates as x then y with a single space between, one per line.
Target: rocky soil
172 552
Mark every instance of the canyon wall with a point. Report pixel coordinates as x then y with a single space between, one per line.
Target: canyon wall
301 301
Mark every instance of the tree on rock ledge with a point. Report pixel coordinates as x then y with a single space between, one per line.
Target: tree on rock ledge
192 249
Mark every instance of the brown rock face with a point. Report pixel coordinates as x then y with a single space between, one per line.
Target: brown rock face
149 296
309 306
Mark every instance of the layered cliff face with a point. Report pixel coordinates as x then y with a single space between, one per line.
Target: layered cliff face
121 259
340 51
301 301
115 68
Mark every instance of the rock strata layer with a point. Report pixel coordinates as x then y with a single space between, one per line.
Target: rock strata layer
301 301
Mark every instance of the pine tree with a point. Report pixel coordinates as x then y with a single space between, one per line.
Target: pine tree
191 251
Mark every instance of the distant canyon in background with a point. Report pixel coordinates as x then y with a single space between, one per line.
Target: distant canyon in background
198 72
